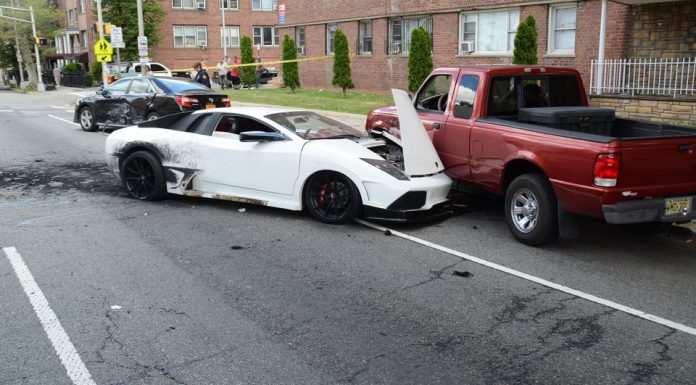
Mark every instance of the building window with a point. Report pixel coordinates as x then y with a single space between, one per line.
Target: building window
190 36
365 37
230 35
264 5
83 38
229 4
488 32
562 28
188 4
300 41
81 6
330 32
265 36
400 32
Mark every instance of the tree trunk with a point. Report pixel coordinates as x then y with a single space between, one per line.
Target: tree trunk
30 66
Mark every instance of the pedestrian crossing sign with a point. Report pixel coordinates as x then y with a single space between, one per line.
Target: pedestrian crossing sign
103 48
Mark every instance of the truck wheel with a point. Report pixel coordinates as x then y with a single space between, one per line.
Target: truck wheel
531 210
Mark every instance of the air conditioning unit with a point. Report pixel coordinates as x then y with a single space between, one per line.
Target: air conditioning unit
200 4
301 50
466 46
202 43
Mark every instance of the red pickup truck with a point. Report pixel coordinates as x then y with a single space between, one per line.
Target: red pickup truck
527 134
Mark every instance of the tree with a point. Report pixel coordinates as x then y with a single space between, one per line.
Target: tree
247 73
124 14
291 74
525 51
341 67
46 17
420 59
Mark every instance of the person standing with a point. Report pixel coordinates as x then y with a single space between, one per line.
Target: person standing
201 75
222 72
56 75
234 73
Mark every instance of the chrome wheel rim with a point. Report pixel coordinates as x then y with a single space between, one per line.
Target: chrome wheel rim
86 118
524 210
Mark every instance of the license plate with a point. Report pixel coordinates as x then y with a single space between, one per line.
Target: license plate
677 206
210 105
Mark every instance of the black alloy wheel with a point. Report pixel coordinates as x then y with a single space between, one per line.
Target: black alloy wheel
152 116
332 198
143 176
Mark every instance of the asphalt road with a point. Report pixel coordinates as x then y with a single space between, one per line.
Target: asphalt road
192 291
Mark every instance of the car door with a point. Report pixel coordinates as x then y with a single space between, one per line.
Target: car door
234 167
111 108
139 98
454 148
431 102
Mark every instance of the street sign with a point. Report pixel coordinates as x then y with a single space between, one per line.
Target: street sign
103 48
104 58
116 36
142 46
118 45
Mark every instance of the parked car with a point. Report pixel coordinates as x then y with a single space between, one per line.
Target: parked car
267 74
280 157
528 135
158 69
132 100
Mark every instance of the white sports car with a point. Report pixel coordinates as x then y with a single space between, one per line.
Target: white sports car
286 158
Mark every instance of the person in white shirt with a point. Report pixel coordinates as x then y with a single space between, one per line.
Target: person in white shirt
222 69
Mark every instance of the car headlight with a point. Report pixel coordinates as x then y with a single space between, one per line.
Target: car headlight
386 167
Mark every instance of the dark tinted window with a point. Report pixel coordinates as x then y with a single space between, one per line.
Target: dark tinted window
564 91
509 93
178 86
502 98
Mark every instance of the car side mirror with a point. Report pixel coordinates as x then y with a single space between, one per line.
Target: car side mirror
100 91
260 136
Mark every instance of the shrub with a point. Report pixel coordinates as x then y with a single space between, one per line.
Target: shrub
420 59
72 67
291 74
247 73
525 51
96 72
341 67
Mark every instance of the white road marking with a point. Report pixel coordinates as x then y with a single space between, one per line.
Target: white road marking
6 111
540 281
75 367
64 120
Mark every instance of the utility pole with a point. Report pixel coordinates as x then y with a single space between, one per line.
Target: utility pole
224 29
19 53
142 39
40 84
100 22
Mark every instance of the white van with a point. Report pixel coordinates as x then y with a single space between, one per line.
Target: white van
158 69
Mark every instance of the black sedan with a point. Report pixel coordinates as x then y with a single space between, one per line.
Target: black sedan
132 100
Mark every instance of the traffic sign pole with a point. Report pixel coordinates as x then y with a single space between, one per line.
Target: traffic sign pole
101 37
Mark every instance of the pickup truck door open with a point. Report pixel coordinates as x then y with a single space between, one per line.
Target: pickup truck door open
431 103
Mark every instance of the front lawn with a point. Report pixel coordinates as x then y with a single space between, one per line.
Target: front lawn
314 99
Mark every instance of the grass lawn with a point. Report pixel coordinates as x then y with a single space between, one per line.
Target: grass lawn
330 100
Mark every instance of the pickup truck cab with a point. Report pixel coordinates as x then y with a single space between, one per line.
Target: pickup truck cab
526 134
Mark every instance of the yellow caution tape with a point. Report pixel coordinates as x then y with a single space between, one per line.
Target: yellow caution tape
230 66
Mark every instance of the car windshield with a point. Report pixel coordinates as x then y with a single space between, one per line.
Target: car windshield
178 86
310 125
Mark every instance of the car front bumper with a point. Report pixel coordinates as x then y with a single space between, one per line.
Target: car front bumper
438 211
648 210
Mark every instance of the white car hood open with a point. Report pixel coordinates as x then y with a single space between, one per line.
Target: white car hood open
420 157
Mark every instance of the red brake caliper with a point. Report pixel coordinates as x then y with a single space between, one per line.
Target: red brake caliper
322 192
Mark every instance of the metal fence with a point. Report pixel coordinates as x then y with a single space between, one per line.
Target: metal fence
646 77
76 79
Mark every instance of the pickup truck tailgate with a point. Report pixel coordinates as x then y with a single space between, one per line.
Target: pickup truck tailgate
659 166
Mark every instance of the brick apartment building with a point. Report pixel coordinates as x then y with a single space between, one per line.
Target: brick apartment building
73 42
464 32
192 30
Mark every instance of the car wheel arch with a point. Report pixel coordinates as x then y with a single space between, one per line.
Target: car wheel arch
517 167
133 147
303 187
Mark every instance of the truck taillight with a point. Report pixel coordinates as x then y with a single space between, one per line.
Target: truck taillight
183 101
227 102
606 170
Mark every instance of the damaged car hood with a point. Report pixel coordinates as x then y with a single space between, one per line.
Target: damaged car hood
420 156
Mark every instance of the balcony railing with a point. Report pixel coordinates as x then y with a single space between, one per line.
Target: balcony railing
645 77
